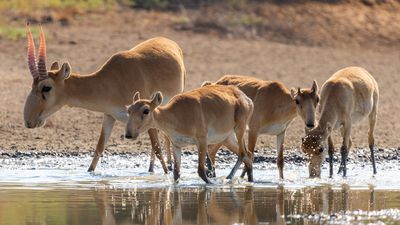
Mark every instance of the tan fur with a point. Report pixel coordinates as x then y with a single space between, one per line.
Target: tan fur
348 97
154 65
207 115
274 110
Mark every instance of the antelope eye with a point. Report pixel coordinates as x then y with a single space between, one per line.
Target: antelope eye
317 99
46 89
297 101
321 150
146 111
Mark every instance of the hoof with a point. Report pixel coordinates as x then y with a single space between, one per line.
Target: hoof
210 174
151 169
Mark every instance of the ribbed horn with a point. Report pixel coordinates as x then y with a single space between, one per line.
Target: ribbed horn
31 53
42 56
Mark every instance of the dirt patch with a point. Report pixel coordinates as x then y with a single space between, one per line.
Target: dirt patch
87 43
341 23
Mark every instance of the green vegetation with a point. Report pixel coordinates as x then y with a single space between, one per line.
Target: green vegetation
151 4
16 33
29 5
250 20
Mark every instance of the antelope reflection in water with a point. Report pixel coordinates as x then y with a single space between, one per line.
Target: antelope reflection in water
226 206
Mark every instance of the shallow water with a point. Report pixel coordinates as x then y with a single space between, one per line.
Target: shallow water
58 190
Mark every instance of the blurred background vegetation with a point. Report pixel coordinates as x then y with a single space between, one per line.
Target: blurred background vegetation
311 22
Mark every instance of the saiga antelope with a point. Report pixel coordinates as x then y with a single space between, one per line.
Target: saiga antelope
156 64
275 107
204 116
349 96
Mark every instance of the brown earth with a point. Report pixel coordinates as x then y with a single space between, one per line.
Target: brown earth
89 40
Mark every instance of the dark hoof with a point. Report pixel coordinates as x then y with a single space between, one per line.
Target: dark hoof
243 174
151 169
210 174
176 177
250 177
203 176
91 169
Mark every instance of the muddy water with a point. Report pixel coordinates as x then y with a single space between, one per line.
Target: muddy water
58 190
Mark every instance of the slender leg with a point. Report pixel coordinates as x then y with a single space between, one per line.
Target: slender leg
232 144
331 150
155 144
152 160
253 135
177 162
210 161
280 138
168 147
371 140
244 154
344 151
106 129
203 149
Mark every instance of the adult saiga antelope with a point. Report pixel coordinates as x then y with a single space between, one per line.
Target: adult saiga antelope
204 116
156 64
275 107
349 96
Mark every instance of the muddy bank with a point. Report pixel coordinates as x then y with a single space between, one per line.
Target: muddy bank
292 156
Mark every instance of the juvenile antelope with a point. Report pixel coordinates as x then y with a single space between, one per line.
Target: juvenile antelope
274 109
204 116
156 64
349 96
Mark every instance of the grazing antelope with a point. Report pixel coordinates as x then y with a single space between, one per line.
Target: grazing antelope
274 109
349 96
204 116
153 65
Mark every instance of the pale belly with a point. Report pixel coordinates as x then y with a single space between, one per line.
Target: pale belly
183 140
274 129
213 137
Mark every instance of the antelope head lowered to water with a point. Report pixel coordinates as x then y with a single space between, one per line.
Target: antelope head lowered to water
154 65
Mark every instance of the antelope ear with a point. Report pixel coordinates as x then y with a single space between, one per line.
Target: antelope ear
314 87
55 66
293 93
65 71
136 97
156 99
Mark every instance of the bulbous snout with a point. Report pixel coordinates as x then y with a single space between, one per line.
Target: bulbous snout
129 135
310 125
34 124
29 124
33 112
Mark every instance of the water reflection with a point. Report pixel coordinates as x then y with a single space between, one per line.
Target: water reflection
186 205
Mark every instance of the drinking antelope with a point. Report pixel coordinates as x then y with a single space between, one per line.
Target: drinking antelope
275 107
207 115
156 64
349 96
